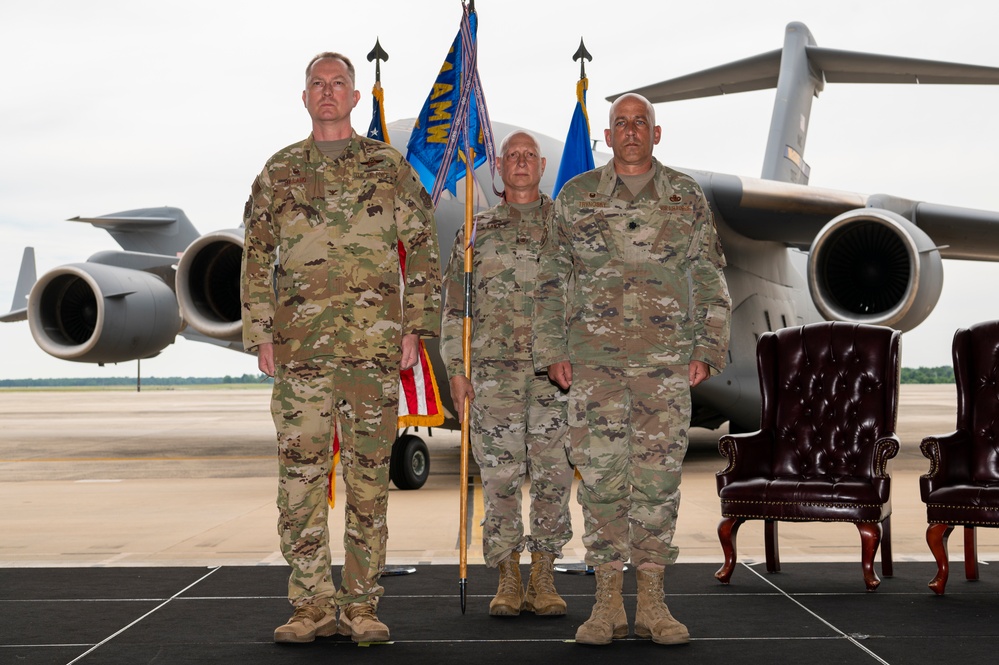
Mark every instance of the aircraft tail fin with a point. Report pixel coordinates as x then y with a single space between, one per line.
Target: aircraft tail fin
25 280
151 230
799 72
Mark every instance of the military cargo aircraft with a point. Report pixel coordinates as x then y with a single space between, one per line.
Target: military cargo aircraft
796 253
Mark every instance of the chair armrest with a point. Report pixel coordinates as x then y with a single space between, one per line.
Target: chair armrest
749 456
948 455
884 449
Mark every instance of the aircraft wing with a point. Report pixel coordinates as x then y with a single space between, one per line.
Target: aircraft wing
761 72
758 72
794 214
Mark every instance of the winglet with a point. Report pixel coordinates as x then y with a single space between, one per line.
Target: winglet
164 230
25 280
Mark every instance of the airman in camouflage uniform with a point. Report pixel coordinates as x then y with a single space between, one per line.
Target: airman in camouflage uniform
326 311
632 311
517 415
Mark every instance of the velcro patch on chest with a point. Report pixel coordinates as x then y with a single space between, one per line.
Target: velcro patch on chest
687 207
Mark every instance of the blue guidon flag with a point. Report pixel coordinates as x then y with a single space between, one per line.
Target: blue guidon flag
454 119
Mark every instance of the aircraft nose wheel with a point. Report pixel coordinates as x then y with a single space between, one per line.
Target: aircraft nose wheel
410 464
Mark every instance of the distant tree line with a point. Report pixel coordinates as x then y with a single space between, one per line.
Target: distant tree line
130 381
943 374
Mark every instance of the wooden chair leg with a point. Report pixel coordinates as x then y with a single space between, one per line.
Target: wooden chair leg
970 553
770 543
936 538
886 563
870 537
728 528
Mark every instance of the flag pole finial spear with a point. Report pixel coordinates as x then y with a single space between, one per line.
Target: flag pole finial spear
581 54
378 54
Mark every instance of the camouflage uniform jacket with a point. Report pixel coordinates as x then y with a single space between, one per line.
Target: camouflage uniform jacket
645 275
337 228
504 274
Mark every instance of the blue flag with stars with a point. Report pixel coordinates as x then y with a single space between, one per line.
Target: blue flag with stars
377 128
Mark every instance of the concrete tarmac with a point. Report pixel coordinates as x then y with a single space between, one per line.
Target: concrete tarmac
188 477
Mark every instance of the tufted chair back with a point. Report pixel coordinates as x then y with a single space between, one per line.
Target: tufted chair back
976 372
829 392
962 485
827 431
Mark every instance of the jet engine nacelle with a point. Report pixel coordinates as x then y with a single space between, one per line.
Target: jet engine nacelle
208 277
874 266
96 313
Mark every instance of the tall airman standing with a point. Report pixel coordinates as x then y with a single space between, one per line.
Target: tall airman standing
632 311
325 310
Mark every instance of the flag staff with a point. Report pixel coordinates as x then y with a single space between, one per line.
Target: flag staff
466 347
457 91
377 128
577 155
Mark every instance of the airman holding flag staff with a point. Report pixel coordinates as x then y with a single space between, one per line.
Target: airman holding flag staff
455 123
327 314
517 415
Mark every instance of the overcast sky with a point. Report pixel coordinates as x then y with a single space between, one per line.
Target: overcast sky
108 106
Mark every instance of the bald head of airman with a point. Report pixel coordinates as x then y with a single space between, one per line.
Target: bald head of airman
632 134
521 167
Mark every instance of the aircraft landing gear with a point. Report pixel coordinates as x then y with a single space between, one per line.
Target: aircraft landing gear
410 464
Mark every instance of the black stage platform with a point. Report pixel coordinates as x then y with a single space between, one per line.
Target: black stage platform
810 612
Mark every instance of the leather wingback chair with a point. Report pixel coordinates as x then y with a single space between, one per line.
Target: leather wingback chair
830 402
962 486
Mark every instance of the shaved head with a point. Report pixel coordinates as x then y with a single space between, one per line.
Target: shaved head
521 167
518 133
633 96
632 134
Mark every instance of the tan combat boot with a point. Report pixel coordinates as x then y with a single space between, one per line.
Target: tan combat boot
307 623
607 620
652 619
510 594
542 598
360 622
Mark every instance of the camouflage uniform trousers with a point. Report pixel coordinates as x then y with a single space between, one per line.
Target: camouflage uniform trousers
310 399
518 430
628 436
